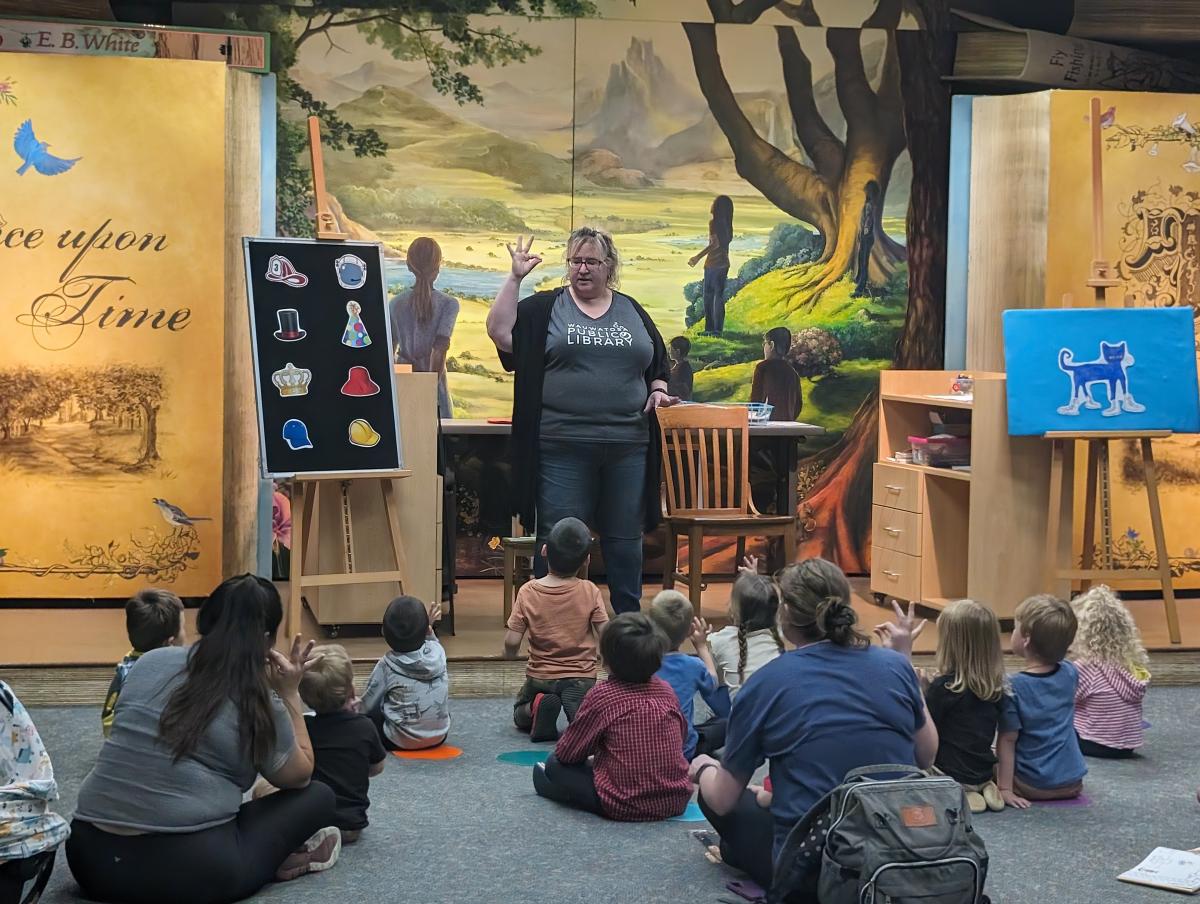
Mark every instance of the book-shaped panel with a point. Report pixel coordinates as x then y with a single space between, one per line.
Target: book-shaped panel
1101 369
322 357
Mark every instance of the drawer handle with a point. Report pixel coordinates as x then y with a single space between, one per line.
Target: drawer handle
892 488
891 574
894 531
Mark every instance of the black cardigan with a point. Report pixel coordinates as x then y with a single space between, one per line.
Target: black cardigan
528 360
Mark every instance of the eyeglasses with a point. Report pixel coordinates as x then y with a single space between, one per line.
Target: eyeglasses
590 262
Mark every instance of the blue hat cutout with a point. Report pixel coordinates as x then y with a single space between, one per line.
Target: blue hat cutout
295 434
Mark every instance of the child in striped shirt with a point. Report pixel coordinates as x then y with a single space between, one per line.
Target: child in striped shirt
1113 675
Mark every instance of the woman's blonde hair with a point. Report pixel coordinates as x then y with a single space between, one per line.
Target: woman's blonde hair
608 249
815 598
424 260
969 650
1107 632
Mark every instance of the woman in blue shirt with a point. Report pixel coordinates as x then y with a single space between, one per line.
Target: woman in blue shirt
831 705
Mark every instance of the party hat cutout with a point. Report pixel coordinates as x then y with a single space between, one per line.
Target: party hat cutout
355 335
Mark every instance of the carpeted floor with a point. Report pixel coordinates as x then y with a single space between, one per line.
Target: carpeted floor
472 829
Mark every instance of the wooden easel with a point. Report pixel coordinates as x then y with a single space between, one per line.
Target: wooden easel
1097 494
305 490
306 487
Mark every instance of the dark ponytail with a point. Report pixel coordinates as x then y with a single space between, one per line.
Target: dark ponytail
756 601
816 602
237 625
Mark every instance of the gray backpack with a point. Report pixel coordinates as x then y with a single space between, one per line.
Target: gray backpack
903 839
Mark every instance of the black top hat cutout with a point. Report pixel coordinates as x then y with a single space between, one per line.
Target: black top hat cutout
289 325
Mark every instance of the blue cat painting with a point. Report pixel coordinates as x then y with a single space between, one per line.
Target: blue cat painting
1110 370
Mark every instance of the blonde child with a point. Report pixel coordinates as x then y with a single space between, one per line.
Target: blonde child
347 752
964 699
1113 674
1037 751
751 640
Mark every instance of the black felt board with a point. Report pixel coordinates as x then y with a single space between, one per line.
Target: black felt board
321 311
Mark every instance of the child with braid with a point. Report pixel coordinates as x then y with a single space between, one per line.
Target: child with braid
751 639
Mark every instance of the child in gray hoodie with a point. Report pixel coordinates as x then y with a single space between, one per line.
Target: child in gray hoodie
407 696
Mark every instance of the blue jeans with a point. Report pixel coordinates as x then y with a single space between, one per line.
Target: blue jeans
714 298
601 484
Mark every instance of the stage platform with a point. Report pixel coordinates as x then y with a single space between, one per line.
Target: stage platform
61 676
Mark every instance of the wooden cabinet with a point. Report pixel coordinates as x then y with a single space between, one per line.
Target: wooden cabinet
939 534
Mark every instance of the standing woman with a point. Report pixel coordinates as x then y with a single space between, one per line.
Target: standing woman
590 366
160 816
831 705
716 263
423 318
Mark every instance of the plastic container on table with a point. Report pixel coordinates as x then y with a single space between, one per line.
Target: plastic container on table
941 451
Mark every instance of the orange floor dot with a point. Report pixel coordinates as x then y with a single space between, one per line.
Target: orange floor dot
441 752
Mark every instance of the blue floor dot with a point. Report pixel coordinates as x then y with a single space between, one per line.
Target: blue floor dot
691 814
523 757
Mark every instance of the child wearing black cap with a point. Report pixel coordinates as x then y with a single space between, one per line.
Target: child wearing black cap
407 696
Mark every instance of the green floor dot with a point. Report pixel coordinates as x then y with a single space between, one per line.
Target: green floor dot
523 757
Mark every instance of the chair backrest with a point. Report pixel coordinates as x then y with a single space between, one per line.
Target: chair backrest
706 459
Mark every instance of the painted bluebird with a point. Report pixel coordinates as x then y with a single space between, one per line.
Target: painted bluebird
33 153
176 516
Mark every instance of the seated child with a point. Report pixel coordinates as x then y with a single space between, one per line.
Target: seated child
751 640
1113 674
407 695
153 619
964 699
29 833
563 616
631 728
679 381
1037 750
346 747
688 675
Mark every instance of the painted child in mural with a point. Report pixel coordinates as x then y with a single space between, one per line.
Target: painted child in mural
716 263
679 383
866 241
775 380
423 319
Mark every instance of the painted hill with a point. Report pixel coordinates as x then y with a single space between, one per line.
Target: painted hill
417 131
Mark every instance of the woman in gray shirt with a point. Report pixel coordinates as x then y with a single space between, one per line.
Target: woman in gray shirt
423 319
160 816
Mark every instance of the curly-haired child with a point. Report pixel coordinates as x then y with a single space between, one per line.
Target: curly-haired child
1113 675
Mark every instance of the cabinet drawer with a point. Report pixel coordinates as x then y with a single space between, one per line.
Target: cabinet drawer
895 574
896 487
896 529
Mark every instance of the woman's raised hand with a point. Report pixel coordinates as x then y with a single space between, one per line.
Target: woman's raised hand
285 672
522 260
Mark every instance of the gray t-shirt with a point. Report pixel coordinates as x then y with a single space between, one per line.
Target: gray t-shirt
595 382
136 783
414 340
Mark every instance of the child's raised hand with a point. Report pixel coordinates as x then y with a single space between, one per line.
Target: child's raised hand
900 634
1013 799
749 565
435 615
699 633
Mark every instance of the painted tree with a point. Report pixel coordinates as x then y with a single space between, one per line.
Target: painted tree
446 36
910 94
829 192
138 389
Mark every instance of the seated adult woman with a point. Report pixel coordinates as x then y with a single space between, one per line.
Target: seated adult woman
160 816
831 705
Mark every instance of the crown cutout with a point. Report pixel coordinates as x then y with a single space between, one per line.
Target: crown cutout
291 380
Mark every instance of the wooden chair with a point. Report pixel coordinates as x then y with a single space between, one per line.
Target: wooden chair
706 491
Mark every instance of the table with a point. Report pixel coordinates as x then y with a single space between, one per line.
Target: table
784 436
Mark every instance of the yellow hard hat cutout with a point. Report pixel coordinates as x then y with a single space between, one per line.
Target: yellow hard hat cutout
363 434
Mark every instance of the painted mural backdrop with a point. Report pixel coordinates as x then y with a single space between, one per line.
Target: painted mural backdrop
651 121
111 316
1152 235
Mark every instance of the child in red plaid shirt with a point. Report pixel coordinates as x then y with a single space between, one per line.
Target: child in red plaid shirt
632 729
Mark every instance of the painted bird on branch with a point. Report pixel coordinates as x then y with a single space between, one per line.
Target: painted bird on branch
176 516
33 153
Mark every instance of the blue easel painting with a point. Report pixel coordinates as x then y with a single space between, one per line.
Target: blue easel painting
1083 369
